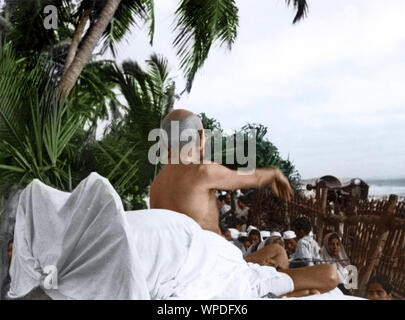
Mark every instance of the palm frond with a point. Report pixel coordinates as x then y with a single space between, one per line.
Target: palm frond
27 32
95 90
35 127
123 155
199 25
129 13
302 8
12 100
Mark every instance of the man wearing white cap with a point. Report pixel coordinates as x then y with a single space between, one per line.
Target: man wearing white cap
265 234
250 228
290 242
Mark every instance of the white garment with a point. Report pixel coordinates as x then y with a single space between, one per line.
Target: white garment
187 262
234 233
340 266
84 234
241 212
224 209
101 252
307 251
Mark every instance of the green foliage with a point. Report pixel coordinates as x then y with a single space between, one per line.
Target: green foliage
54 141
25 29
36 129
210 123
95 92
267 154
129 13
122 154
200 24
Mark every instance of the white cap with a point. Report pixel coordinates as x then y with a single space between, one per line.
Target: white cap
243 234
234 233
250 228
275 234
265 234
289 235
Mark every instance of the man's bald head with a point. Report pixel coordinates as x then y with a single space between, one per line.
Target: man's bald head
184 120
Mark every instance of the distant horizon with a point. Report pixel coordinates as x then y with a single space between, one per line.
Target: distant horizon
376 178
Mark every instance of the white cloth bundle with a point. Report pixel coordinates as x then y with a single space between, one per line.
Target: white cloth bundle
84 235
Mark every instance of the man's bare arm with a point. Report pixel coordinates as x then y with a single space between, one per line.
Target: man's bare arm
222 178
322 277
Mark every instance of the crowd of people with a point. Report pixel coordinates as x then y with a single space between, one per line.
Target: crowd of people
299 243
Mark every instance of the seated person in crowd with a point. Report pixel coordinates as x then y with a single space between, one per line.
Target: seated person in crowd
243 238
188 186
222 206
255 239
290 242
334 253
241 209
307 252
254 236
378 288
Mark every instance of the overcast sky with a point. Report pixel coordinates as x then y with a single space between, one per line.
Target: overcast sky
331 89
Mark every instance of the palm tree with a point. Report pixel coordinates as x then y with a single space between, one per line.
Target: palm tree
109 19
122 154
199 25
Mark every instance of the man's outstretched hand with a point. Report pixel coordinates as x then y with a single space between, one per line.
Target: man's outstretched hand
281 186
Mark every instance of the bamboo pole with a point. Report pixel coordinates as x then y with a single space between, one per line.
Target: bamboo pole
382 233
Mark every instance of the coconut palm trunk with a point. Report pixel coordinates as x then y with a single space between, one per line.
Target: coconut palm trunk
88 44
84 18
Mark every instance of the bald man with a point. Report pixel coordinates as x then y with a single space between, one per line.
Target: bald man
187 185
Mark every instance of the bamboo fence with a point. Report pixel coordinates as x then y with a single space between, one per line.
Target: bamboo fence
373 231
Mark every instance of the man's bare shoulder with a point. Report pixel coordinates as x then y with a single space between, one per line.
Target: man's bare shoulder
211 169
